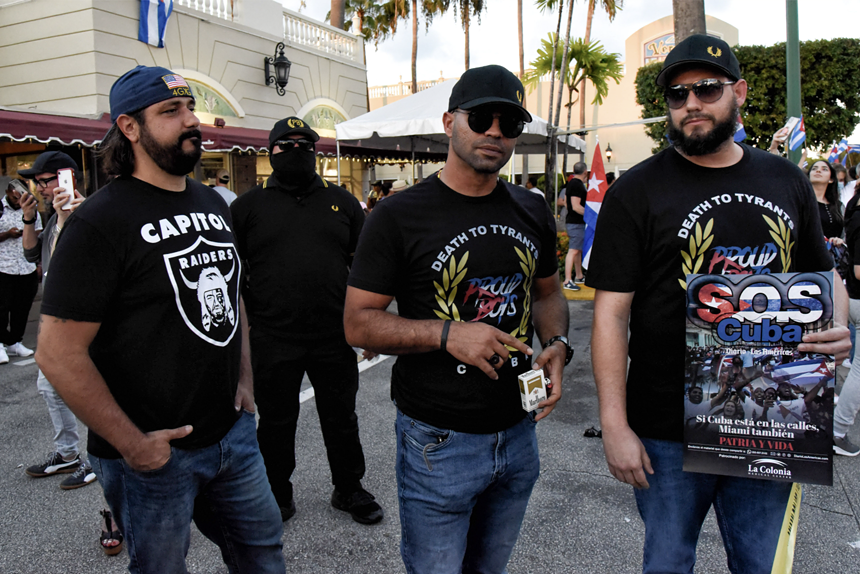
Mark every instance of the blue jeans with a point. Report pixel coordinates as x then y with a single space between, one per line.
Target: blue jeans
222 487
749 513
462 496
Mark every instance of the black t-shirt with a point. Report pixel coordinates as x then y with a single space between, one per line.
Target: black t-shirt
667 217
852 240
298 251
444 255
574 190
159 270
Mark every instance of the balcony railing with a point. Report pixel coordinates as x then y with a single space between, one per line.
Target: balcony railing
218 8
403 88
301 31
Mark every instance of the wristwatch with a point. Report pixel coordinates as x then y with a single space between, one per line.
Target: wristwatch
564 340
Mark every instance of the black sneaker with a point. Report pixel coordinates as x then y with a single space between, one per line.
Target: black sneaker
54 465
288 512
843 446
81 477
360 504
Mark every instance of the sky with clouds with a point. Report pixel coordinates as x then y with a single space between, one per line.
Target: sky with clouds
494 39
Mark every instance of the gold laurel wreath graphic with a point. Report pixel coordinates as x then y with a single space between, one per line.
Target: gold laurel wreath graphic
699 243
447 291
782 236
527 263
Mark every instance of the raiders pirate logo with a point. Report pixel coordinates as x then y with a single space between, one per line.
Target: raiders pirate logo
205 278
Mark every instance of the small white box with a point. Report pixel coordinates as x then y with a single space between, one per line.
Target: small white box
532 389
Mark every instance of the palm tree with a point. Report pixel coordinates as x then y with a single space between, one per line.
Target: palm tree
520 36
549 165
586 62
689 18
611 7
467 9
337 13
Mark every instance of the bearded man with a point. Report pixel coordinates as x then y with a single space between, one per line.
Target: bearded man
169 402
708 192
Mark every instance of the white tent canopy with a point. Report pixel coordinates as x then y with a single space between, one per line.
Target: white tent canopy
415 124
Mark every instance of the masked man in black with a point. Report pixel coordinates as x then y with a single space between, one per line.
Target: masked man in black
297 234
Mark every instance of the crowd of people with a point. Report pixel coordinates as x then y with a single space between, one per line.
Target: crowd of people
240 298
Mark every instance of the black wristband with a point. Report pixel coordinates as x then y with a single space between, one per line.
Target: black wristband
28 221
445 328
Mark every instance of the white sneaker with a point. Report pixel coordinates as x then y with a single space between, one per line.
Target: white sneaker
4 358
19 349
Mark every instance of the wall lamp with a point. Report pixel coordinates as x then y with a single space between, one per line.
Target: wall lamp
609 153
282 69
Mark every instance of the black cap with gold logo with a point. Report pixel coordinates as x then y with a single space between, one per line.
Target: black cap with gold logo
488 85
291 126
700 50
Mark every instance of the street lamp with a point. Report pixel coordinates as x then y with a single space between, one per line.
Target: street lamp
282 69
609 153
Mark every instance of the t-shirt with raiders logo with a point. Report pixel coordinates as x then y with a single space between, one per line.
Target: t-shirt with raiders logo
667 217
160 271
444 255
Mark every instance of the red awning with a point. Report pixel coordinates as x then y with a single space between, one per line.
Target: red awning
66 130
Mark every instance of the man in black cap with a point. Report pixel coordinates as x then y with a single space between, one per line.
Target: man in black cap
38 248
297 235
143 335
471 260
685 211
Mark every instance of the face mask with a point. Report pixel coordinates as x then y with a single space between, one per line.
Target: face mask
841 186
293 166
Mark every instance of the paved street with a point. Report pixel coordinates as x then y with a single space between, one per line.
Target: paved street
580 519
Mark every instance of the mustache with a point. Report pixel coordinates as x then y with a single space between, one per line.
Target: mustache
697 116
195 133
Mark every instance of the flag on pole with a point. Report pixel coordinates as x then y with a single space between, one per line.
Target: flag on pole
740 133
797 135
843 146
153 21
834 154
596 191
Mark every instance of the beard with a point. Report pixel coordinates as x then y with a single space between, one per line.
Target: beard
699 143
172 158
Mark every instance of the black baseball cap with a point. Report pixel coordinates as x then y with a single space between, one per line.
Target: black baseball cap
291 126
49 162
488 85
704 50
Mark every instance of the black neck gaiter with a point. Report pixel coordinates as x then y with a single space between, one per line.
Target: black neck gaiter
294 170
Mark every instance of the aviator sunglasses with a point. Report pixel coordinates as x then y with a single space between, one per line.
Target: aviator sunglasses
481 120
707 91
288 145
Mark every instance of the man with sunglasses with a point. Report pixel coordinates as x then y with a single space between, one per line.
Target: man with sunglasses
692 208
297 234
471 261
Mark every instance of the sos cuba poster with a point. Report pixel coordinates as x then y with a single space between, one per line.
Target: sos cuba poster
754 405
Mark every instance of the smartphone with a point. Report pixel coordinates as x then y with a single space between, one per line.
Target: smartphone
20 187
66 180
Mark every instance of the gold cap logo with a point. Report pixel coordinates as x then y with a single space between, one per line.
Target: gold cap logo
520 96
715 52
335 208
295 123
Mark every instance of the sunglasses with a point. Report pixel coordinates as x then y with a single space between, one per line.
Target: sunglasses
707 91
44 183
481 120
288 145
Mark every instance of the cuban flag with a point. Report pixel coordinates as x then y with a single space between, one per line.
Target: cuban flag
834 154
740 133
597 187
153 21
797 136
